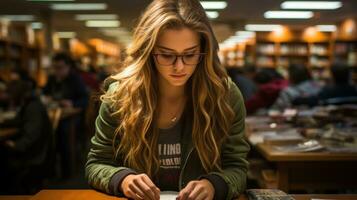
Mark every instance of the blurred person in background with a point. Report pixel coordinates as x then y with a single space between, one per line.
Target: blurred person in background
244 82
301 85
27 151
65 86
270 83
17 73
67 89
341 86
339 91
88 76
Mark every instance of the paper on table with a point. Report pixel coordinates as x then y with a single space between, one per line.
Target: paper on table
168 195
258 137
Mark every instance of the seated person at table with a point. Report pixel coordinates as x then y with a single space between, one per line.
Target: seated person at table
341 86
270 83
340 91
244 82
300 85
26 152
173 120
66 86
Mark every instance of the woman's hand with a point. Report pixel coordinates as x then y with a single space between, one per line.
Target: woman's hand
140 187
197 190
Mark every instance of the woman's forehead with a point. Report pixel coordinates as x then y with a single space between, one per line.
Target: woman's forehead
178 39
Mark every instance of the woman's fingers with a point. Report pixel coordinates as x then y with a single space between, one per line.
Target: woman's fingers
135 189
133 195
140 187
152 186
197 190
198 193
184 193
145 189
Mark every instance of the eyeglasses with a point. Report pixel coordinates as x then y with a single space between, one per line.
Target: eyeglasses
170 59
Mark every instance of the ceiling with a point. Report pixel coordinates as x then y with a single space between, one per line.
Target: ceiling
232 18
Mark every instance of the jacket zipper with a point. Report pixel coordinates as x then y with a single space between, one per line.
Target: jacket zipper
183 168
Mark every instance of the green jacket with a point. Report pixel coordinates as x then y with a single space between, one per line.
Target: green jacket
101 165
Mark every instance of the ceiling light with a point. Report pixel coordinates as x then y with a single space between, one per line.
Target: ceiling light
226 45
246 34
79 6
213 4
102 23
312 5
262 27
326 28
250 33
236 39
36 25
288 14
82 17
18 17
117 32
212 14
51 0
66 34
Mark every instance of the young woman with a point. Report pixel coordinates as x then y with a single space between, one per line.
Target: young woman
172 120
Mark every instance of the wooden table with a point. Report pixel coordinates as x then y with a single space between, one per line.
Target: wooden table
73 195
95 195
17 197
312 170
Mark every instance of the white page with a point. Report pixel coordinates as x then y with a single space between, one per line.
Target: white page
168 195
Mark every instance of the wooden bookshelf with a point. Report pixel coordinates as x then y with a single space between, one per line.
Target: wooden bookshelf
19 50
104 53
307 47
317 50
234 57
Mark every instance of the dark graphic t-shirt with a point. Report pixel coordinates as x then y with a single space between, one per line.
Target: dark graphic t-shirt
170 157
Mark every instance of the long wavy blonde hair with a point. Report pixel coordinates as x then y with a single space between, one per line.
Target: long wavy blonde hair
134 99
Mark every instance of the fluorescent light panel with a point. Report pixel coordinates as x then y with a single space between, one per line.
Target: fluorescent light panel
262 27
66 34
213 4
51 0
312 5
236 39
82 17
212 14
288 14
79 6
245 33
36 25
102 23
18 17
326 28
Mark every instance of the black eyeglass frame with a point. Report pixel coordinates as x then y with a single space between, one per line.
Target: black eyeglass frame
179 55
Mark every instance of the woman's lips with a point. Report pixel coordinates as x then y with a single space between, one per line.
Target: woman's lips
177 75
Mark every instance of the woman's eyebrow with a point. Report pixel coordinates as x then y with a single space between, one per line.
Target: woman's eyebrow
165 48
